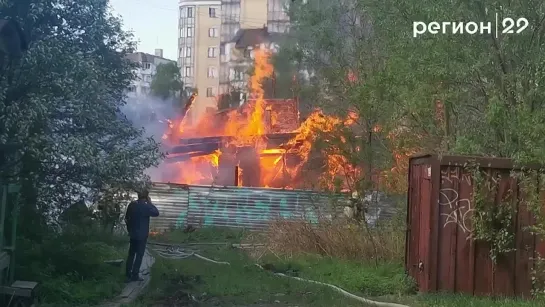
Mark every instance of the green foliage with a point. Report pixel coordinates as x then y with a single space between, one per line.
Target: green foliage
242 283
492 223
489 87
65 140
61 108
70 266
167 81
531 190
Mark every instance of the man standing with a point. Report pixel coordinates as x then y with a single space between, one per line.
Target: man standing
137 221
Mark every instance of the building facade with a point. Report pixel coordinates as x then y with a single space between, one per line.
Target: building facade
278 19
236 15
240 56
206 28
147 69
198 52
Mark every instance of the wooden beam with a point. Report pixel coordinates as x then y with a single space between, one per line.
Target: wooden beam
227 138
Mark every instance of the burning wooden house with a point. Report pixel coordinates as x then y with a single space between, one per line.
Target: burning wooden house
224 148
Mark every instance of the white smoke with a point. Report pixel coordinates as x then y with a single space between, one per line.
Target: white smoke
152 114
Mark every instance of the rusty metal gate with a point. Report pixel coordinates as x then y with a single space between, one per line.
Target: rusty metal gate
440 254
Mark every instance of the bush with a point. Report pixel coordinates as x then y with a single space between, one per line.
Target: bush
70 266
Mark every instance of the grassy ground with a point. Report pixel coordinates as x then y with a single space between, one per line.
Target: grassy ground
238 284
70 267
195 282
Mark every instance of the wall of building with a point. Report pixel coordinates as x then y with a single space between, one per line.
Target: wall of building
232 15
195 67
253 14
277 17
207 57
144 75
186 43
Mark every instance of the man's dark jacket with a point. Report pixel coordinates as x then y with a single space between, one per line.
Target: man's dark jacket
137 218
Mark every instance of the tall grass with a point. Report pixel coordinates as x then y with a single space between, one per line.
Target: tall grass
338 238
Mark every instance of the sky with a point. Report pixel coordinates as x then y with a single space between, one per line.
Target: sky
154 24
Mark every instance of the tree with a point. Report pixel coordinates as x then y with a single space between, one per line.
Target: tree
167 81
488 85
62 110
466 94
332 43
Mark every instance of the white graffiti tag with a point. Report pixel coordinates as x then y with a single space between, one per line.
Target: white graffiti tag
460 209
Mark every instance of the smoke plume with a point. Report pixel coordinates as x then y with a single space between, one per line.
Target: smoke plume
152 114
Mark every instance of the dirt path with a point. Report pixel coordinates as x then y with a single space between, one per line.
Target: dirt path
133 289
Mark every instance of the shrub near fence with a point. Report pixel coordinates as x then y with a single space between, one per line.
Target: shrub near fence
446 247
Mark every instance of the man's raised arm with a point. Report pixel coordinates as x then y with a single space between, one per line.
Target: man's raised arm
153 212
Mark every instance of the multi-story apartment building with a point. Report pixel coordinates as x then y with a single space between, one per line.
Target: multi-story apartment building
246 18
240 55
237 15
206 27
147 69
198 52
278 19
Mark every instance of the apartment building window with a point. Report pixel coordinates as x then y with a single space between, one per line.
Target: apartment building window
147 65
210 92
222 49
147 78
213 32
190 12
187 52
189 71
212 72
212 12
182 32
189 31
212 52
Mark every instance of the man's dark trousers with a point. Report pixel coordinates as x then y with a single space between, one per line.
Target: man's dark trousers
137 249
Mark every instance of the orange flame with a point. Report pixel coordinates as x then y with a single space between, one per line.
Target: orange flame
282 166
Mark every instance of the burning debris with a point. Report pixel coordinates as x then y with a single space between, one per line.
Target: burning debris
260 144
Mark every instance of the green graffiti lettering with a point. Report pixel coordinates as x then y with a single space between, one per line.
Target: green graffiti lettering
246 207
262 211
220 210
208 218
180 221
285 213
241 214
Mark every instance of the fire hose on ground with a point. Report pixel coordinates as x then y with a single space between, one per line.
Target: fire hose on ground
174 252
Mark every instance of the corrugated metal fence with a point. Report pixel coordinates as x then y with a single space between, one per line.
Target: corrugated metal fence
237 207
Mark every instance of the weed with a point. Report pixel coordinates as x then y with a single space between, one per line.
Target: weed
192 281
209 234
70 266
339 238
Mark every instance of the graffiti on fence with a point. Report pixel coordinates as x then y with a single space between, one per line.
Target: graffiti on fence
242 207
459 210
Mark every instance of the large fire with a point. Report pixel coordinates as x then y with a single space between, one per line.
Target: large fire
259 144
